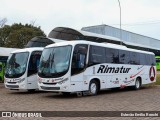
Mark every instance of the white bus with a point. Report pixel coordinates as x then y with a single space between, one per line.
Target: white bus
83 66
21 69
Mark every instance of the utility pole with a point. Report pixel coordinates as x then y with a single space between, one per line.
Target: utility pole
120 22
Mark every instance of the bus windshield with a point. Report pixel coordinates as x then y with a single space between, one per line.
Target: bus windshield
16 64
54 61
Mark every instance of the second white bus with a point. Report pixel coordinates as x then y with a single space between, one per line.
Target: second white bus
21 69
83 66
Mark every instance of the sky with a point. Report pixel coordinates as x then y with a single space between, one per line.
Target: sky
138 16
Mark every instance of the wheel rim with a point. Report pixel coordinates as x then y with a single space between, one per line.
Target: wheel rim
137 84
93 88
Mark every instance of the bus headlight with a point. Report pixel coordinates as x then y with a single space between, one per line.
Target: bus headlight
39 80
21 80
63 81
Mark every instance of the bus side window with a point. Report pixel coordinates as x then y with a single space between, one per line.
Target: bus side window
34 62
96 55
112 55
134 58
147 58
143 59
124 57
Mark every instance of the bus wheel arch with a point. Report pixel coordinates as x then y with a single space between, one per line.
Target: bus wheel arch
96 84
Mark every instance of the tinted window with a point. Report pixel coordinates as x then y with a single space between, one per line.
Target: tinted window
97 55
143 59
112 55
34 62
134 58
124 57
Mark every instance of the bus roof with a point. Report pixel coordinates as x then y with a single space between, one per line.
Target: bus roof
70 34
6 51
108 45
40 41
28 49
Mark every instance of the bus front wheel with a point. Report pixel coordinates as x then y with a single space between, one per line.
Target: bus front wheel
93 88
31 90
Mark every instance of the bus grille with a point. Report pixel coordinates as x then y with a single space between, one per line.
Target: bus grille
12 86
50 88
49 83
12 82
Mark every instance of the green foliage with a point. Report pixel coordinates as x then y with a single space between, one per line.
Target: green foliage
18 35
4 33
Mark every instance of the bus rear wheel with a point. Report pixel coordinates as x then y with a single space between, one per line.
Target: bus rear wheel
93 88
137 85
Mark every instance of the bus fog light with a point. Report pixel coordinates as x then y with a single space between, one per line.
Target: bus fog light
23 86
65 87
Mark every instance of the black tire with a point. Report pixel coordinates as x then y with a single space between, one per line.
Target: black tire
31 90
137 85
66 93
93 88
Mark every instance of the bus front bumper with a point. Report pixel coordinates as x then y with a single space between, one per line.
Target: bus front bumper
15 85
53 87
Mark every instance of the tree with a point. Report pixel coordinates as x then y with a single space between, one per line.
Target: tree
18 35
4 34
3 22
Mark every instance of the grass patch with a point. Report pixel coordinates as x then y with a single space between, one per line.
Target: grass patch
158 79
